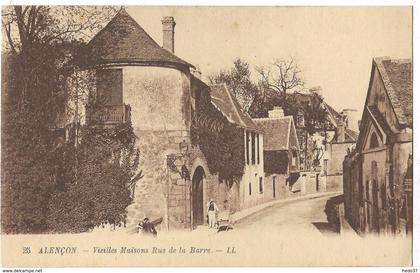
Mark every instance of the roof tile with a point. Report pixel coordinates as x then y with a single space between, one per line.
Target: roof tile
123 40
276 132
230 108
397 77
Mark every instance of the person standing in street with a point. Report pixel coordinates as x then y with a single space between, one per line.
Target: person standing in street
212 209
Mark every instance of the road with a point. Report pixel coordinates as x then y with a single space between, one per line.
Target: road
305 215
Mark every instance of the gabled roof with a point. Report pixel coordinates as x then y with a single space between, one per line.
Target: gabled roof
379 119
123 40
349 136
227 104
378 122
333 114
276 132
352 134
396 75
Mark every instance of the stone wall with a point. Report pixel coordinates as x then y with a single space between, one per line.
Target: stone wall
281 188
159 98
337 154
151 193
334 182
308 183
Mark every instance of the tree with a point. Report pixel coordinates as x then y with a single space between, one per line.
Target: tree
108 161
282 76
281 85
220 141
238 80
27 27
41 41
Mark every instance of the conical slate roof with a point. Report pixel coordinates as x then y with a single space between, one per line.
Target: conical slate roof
122 41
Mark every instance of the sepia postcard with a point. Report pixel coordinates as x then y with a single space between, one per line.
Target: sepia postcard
136 136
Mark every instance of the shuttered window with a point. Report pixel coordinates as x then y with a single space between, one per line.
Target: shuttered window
109 86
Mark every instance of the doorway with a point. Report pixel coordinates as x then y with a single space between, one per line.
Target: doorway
197 197
317 182
375 206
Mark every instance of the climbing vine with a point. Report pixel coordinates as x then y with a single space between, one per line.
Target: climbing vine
221 142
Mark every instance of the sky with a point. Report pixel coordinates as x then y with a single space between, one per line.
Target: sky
333 46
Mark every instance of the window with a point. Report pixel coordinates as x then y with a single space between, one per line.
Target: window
109 86
274 187
253 147
261 185
250 188
258 148
247 146
295 158
373 141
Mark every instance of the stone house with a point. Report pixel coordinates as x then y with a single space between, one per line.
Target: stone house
343 141
281 155
328 146
159 93
251 186
377 174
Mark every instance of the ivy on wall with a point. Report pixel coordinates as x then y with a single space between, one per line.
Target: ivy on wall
221 142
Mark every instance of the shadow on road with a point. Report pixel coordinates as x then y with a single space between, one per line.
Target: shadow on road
331 210
325 227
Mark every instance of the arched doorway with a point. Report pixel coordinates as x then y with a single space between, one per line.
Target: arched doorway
197 197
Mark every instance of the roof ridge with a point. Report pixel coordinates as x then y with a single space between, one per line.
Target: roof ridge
292 126
267 119
289 127
234 106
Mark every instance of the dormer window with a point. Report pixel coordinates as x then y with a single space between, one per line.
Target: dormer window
374 143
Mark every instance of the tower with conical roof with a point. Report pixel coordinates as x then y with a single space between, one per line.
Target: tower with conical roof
140 81
137 80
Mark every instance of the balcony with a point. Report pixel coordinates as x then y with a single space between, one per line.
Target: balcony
108 115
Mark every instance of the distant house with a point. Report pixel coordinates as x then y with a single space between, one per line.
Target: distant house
343 141
281 153
323 152
378 173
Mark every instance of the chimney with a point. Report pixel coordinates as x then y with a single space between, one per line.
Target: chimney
168 27
316 90
196 72
352 119
341 130
277 112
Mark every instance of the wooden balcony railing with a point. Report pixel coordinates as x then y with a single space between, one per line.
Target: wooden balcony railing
108 115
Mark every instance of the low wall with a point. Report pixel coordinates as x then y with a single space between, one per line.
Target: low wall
334 182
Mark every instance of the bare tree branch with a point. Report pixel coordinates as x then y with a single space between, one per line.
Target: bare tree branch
281 76
7 28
